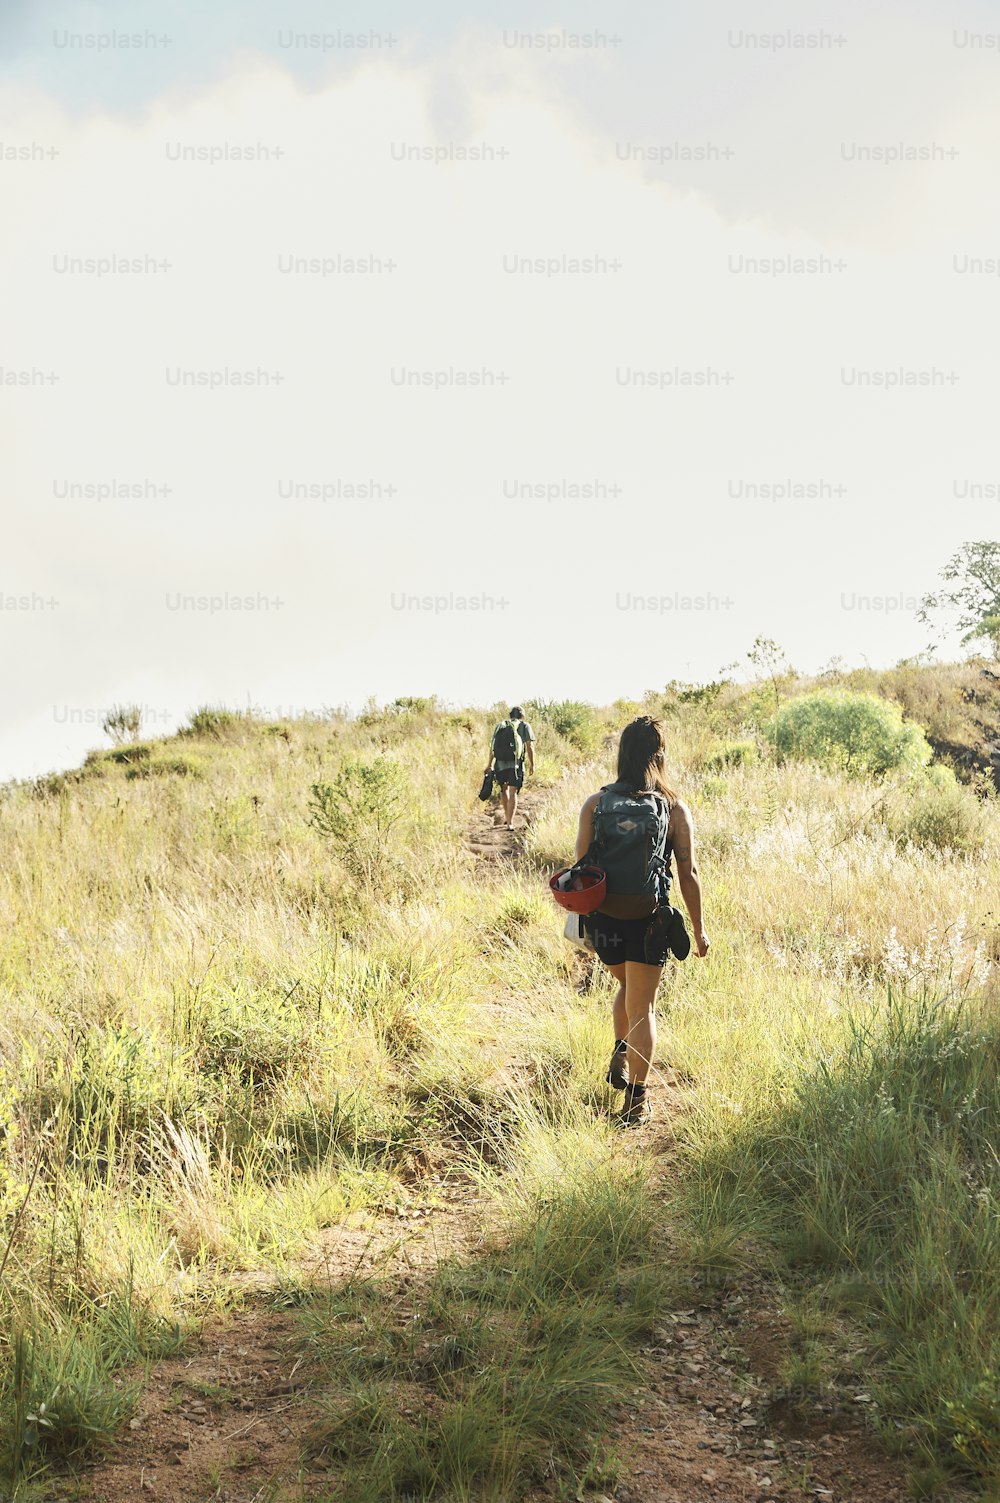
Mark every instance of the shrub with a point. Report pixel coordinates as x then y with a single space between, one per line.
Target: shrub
732 754
165 765
127 756
122 723
693 694
940 818
414 704
578 723
212 720
357 813
858 734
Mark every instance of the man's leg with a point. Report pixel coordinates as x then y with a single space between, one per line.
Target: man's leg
505 798
513 803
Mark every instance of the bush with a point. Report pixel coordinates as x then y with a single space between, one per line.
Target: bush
732 754
122 723
945 818
212 720
414 704
128 756
857 734
578 723
164 765
357 813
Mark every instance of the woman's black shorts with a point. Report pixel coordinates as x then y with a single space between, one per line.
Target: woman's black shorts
616 940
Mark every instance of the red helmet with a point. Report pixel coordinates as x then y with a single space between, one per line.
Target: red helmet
581 889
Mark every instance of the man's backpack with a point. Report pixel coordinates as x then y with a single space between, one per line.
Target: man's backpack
630 842
507 743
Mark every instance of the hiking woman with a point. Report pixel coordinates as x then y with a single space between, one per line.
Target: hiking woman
630 829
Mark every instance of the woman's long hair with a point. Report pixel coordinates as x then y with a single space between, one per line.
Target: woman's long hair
642 763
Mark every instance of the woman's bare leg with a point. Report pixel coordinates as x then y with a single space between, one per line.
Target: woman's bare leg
619 1016
641 982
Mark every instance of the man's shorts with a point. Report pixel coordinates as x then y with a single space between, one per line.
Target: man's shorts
512 776
617 940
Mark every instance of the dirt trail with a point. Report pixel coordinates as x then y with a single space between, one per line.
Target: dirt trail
489 837
224 1420
709 1422
712 1421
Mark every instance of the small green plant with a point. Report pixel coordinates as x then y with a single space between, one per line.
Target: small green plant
213 722
357 813
858 734
364 798
123 723
61 1397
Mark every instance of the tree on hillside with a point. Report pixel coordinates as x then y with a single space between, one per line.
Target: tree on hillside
772 666
973 578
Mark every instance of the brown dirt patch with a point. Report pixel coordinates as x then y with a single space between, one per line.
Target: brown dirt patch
489 838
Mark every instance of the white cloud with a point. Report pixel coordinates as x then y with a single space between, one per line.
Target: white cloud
682 523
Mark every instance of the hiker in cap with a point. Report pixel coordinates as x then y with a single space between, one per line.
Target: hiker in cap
513 742
630 829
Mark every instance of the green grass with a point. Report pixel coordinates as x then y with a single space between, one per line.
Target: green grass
876 1182
500 1373
224 1029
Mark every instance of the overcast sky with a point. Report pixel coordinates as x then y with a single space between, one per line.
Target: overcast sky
649 329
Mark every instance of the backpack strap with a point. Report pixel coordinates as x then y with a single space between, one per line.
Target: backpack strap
661 859
595 842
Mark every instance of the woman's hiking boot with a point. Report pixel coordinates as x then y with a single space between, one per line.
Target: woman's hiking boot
636 1109
616 1077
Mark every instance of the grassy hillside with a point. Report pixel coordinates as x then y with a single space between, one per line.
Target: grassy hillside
254 985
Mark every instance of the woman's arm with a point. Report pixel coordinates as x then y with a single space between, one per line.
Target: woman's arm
585 832
682 840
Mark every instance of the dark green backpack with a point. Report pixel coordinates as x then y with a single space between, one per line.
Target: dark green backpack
507 743
630 842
